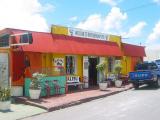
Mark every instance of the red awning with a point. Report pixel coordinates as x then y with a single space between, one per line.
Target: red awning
61 44
133 50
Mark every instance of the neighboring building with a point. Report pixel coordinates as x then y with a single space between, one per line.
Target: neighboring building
132 55
78 55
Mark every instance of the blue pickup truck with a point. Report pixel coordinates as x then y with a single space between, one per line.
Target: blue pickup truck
146 73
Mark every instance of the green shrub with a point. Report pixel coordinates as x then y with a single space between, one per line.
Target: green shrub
35 80
101 67
118 69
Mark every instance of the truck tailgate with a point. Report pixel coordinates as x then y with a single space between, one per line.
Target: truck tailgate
140 75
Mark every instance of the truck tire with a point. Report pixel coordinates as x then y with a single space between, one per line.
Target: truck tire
136 85
158 82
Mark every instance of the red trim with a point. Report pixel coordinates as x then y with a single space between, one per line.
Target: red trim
133 50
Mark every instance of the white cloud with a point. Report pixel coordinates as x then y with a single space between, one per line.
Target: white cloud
156 1
152 43
152 52
110 2
155 35
93 22
23 14
47 7
136 30
74 18
112 21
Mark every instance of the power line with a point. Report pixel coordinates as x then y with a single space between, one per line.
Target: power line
139 7
132 9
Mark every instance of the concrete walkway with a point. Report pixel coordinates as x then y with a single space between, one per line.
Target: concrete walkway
62 101
19 111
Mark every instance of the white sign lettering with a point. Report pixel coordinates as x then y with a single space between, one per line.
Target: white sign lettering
86 34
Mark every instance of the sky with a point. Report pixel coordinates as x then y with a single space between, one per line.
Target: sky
137 21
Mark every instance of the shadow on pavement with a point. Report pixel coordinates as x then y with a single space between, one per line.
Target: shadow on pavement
147 87
6 111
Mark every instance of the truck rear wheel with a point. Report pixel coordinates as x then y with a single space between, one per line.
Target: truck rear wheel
158 82
136 85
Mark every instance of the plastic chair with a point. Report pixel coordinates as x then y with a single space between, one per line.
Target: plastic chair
57 87
47 88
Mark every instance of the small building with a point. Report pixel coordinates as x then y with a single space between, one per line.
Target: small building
77 51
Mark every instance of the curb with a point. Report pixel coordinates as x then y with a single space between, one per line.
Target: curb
54 108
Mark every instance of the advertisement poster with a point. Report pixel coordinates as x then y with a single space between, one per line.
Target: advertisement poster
58 63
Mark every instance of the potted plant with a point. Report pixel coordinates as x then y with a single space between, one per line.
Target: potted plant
5 98
117 69
35 88
102 68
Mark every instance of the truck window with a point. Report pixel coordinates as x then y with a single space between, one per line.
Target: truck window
146 66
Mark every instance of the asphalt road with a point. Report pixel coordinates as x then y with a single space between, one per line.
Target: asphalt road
141 104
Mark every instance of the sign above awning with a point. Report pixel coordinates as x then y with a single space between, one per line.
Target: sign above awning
86 34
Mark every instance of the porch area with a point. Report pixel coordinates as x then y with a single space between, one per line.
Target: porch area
72 98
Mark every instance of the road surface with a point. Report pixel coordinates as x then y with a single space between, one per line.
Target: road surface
142 104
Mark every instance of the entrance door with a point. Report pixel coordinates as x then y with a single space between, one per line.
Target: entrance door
92 71
4 72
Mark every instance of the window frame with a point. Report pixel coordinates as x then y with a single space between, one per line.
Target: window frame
75 64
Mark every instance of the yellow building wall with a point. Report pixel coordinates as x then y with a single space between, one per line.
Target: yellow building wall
80 66
126 64
59 30
106 70
47 60
115 38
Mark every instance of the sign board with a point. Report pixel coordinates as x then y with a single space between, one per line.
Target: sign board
58 62
86 34
72 79
4 70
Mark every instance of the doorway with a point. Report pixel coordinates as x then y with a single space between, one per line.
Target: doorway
93 71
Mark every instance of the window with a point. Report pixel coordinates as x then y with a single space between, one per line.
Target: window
110 64
26 38
146 66
4 40
70 65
